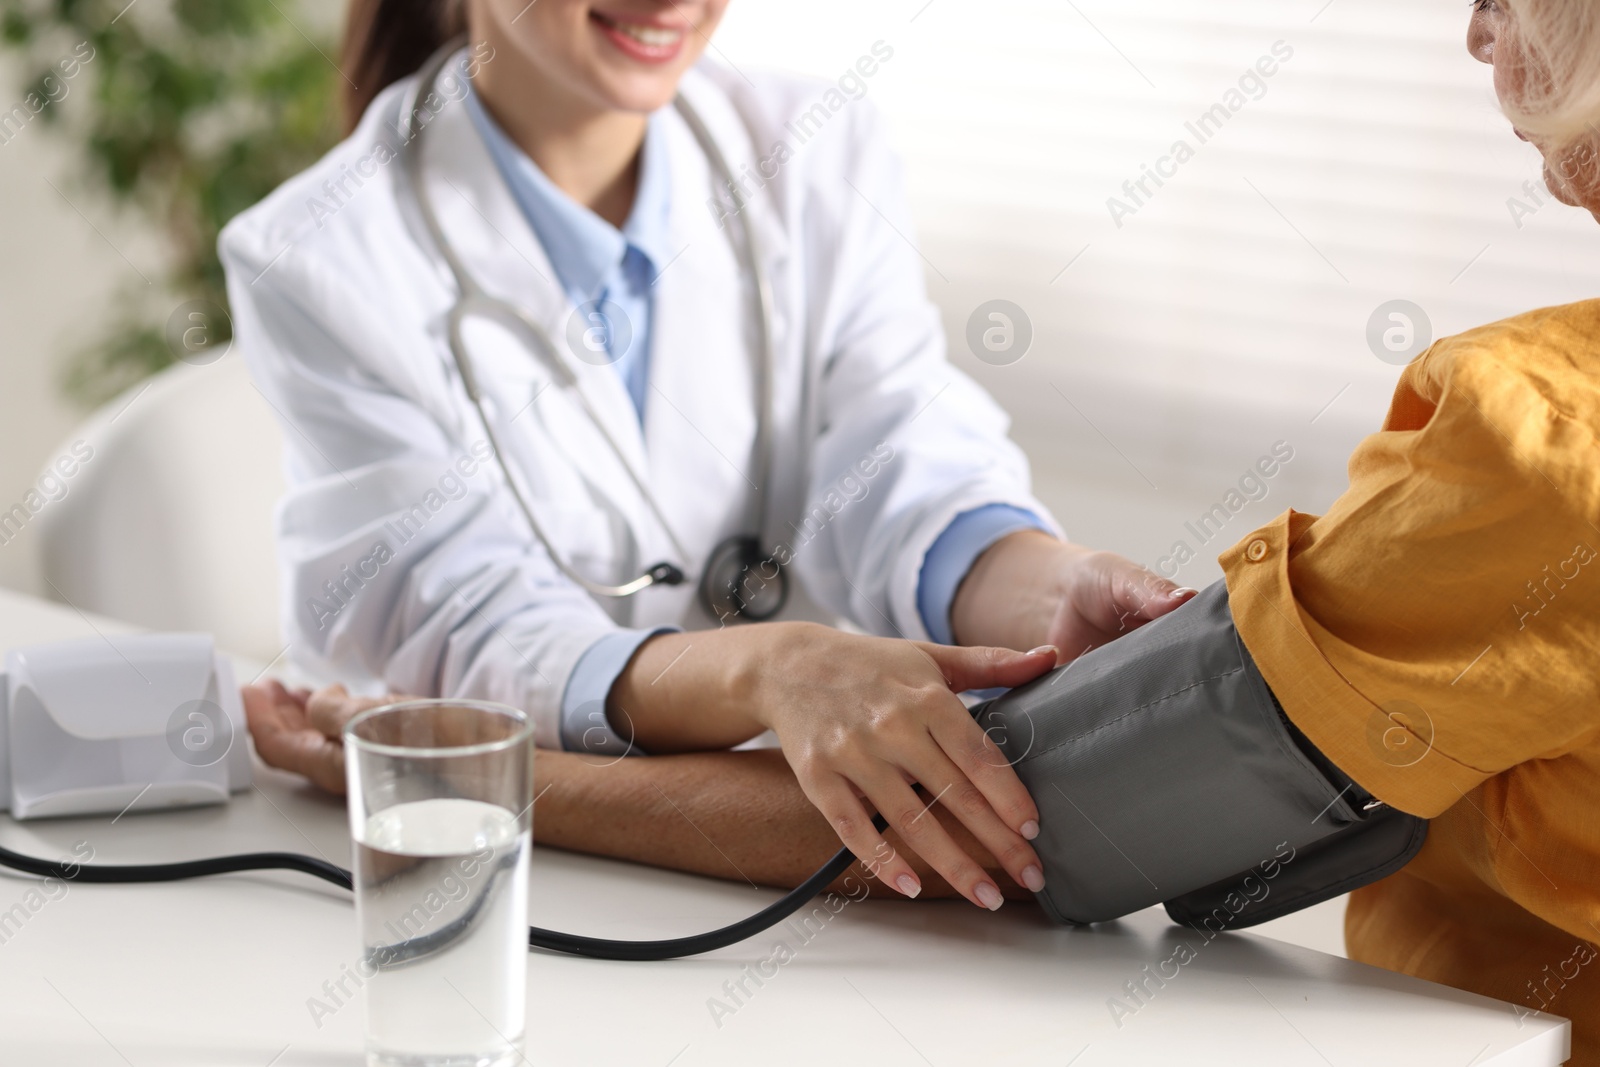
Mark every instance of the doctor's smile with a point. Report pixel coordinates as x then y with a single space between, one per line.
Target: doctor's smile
634 504
649 41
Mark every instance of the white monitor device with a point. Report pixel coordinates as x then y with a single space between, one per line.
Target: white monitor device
92 725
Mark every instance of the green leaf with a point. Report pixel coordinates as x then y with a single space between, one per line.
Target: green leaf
184 121
16 28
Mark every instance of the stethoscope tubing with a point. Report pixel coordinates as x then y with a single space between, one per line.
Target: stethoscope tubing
472 299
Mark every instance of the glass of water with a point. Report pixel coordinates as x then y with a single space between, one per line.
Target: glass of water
441 795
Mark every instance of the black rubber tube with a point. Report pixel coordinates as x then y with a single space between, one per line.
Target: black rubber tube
550 940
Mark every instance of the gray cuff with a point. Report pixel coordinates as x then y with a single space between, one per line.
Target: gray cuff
584 727
1160 766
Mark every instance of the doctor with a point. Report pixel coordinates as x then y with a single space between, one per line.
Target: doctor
598 406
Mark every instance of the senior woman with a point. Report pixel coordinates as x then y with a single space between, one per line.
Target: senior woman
1434 635
1460 574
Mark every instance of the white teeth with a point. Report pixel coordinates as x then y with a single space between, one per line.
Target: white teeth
650 36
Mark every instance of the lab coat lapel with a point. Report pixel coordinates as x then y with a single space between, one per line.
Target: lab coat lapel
700 417
496 244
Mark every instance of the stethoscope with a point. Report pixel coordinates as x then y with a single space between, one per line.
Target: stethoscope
727 590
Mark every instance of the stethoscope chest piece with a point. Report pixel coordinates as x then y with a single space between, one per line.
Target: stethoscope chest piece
741 583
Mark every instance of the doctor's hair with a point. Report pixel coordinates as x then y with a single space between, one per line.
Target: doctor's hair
386 40
1561 93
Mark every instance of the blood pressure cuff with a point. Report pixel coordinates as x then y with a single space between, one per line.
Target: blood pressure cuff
1165 772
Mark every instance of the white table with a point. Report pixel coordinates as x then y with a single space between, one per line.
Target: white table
219 972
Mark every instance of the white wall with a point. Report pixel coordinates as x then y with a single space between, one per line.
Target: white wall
69 260
59 273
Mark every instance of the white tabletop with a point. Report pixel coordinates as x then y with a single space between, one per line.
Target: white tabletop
219 971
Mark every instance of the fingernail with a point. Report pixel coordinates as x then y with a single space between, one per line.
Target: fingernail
988 896
1185 591
1033 878
1052 649
908 885
1030 829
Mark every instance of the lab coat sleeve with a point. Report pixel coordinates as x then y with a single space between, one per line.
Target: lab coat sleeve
906 442
402 568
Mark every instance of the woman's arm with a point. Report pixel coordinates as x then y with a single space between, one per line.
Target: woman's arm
1031 589
862 720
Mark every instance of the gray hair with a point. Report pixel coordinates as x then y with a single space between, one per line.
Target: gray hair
1561 40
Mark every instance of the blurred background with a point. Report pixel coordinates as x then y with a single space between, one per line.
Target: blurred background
1176 339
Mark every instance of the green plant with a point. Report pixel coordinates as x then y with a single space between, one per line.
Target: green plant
196 109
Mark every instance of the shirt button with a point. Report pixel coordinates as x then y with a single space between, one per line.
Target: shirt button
1257 551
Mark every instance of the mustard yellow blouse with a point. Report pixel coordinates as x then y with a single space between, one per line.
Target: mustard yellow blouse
1437 635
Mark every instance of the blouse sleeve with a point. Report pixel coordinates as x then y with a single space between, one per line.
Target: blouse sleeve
1441 622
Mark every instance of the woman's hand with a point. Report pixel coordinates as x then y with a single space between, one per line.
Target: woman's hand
867 718
299 731
859 719
1030 589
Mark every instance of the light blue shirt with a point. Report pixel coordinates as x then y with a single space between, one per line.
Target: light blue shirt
954 552
607 273
612 272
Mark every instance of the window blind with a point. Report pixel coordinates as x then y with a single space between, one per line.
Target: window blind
1184 327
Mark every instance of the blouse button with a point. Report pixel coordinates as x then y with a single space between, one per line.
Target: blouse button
1257 551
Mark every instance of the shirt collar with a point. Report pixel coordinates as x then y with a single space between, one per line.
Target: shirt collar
585 250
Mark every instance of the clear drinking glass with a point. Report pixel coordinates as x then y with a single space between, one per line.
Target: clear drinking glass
441 794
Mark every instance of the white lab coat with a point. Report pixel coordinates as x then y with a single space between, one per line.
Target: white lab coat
405 562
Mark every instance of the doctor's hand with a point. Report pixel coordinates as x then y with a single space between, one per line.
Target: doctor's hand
1031 589
864 719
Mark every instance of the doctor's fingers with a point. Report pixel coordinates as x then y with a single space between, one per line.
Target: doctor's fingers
912 818
840 802
981 765
1123 595
913 821
977 667
956 792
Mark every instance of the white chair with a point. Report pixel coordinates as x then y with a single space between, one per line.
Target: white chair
169 525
